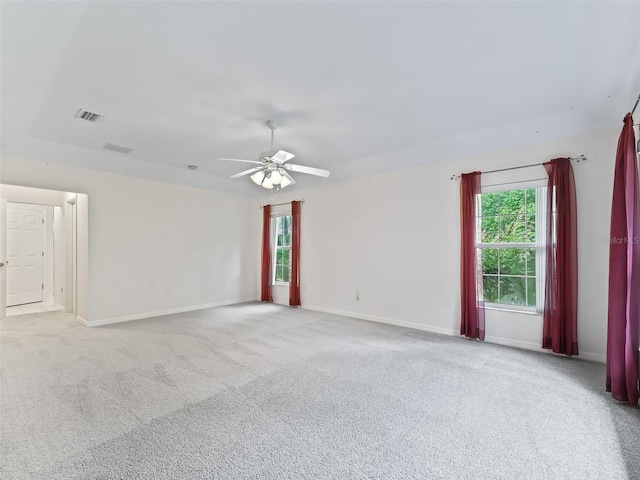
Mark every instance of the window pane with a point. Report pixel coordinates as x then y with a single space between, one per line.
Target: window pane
513 261
531 261
285 273
489 260
509 273
512 291
531 292
512 229
531 228
512 202
490 230
279 235
490 204
282 253
284 230
530 194
490 286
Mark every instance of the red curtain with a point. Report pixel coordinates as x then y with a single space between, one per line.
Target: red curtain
472 305
624 273
265 274
560 319
294 281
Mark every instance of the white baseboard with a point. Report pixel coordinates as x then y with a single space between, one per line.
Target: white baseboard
594 357
389 321
159 313
508 342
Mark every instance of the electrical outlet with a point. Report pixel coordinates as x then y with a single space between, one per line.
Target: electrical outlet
169 291
448 303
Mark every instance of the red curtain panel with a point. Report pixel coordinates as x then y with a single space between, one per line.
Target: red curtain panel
294 281
472 306
560 318
624 273
265 274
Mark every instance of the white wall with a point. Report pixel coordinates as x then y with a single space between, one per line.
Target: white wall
146 239
394 238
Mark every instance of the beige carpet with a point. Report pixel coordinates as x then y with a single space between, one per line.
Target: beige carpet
259 391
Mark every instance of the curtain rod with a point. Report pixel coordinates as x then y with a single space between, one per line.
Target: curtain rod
579 159
276 204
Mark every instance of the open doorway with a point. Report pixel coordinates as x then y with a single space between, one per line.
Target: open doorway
39 244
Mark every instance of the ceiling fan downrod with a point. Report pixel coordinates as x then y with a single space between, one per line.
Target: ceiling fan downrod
272 125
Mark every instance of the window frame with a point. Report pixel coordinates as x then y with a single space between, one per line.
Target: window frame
539 244
274 247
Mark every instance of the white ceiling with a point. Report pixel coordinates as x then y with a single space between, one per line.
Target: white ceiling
357 87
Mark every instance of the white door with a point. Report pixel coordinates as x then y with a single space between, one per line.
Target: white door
25 251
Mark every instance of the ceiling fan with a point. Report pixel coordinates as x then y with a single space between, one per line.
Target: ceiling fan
273 170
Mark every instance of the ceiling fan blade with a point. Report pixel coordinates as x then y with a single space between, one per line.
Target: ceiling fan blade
310 170
239 160
281 156
246 172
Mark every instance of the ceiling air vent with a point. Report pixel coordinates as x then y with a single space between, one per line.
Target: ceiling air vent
89 116
117 148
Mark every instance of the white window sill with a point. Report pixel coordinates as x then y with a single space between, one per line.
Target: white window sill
281 284
506 308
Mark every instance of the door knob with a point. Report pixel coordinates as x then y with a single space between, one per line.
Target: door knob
1 264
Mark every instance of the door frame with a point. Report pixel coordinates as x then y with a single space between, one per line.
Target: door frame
70 287
3 258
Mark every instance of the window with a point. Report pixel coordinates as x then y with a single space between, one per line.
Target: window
282 251
511 250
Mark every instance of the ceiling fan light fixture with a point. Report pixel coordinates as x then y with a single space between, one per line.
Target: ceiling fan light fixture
285 181
258 177
276 178
267 184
